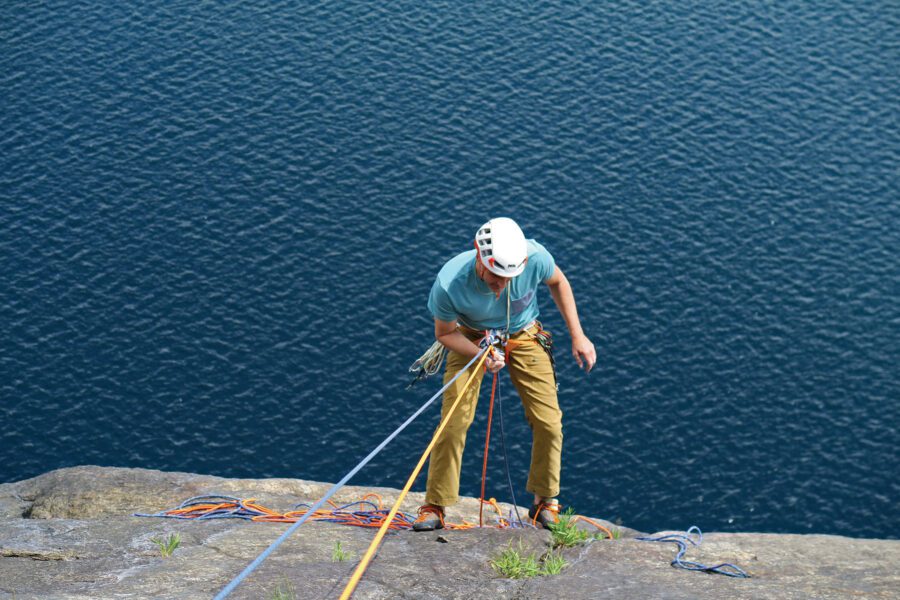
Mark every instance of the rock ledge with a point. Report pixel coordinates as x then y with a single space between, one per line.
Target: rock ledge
69 534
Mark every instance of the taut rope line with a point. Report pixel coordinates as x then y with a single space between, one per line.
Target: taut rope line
367 557
265 553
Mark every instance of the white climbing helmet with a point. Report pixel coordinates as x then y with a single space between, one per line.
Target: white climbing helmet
501 245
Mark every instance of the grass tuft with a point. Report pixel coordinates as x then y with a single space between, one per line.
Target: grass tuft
284 591
553 564
168 545
338 554
516 563
565 534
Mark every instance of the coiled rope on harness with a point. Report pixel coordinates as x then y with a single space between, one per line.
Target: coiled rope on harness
429 363
265 553
683 540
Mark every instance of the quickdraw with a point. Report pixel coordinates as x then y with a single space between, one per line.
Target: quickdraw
545 339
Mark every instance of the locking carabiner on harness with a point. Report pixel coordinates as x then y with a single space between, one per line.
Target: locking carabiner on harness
497 339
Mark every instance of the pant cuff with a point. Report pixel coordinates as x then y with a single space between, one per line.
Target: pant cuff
441 501
543 493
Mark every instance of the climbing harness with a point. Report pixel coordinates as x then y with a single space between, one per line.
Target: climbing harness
683 540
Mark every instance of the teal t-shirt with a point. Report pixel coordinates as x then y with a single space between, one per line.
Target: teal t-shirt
458 294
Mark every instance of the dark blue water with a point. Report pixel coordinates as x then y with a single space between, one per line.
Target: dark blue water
219 223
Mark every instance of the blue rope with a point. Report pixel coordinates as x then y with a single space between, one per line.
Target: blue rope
240 511
683 540
265 553
366 514
341 508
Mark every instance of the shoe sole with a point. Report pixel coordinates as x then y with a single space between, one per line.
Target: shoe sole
426 527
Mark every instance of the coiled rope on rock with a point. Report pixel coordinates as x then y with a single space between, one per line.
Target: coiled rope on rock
685 539
366 512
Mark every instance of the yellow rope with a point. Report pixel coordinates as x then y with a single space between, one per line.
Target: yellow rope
364 563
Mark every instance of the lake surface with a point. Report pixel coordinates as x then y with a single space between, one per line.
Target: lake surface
219 223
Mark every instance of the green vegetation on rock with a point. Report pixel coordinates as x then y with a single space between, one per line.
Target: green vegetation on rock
553 563
168 545
566 534
338 554
517 563
284 591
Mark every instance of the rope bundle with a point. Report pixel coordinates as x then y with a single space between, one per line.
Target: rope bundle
683 540
367 512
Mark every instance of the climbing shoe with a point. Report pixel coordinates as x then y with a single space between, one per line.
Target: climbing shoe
431 517
544 513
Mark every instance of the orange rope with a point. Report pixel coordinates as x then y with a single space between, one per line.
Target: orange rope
340 514
237 508
608 533
487 443
501 521
364 563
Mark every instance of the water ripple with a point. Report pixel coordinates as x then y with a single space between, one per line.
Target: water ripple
219 225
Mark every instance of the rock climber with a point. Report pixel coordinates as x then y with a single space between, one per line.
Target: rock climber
494 287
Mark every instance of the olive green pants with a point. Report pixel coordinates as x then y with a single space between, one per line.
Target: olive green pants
532 374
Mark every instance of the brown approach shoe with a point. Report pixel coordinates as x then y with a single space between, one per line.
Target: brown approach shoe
431 517
545 513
